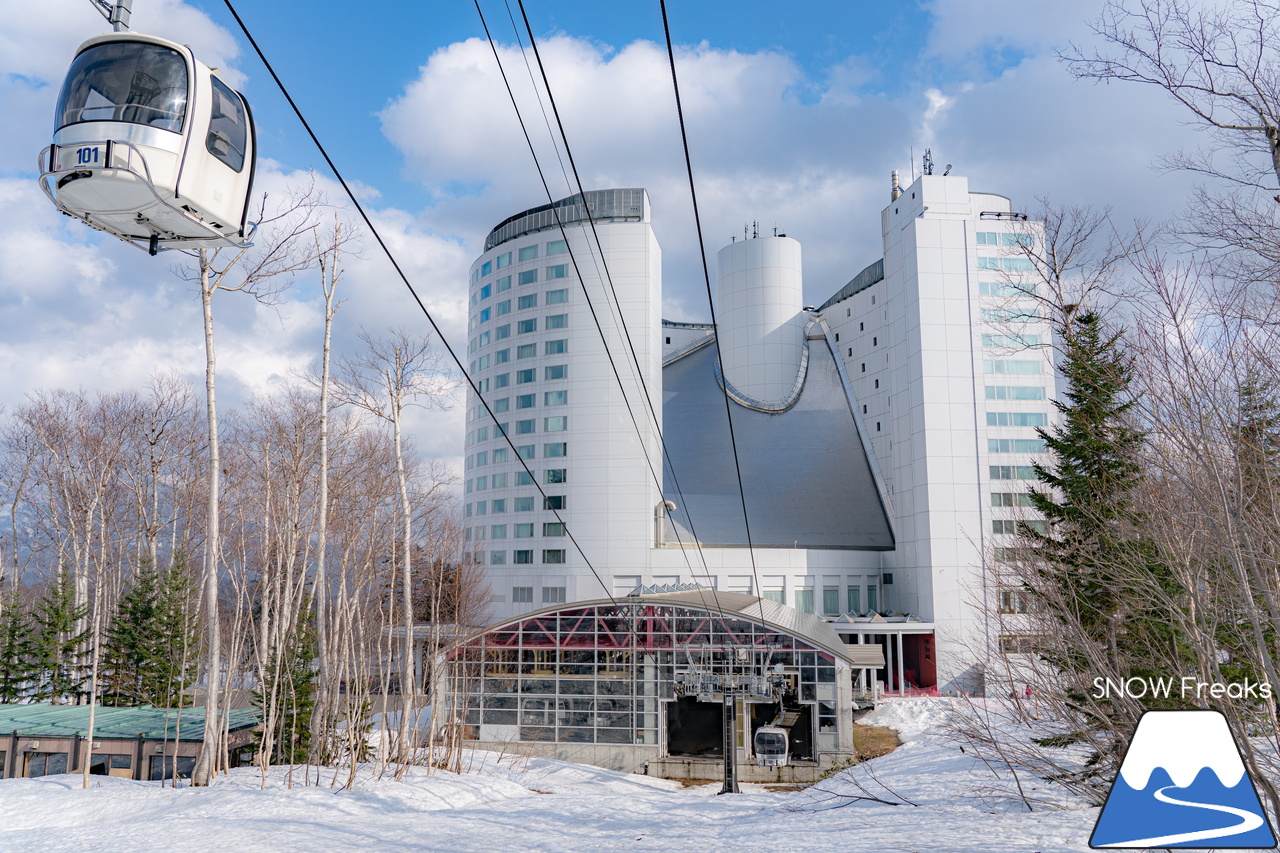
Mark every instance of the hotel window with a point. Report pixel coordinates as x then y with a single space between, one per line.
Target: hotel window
557 247
557 271
522 594
555 449
555 371
503 331
502 356
500 455
804 599
556 347
873 596
482 483
1012 472
553 556
555 475
553 594
1015 392
524 531
482 458
1003 527
528 253
525 451
831 601
553 528
525 427
778 595
521 557
523 478
526 351
557 321
526 401
524 327
555 297
855 599
555 398
502 284
502 380
1022 367
1015 445
523 505
504 260
485 293
554 502
480 508
498 531
556 424
528 301
528 277
499 506
503 307
1013 601
1011 341
497 558
486 268
1020 499
1029 419
527 375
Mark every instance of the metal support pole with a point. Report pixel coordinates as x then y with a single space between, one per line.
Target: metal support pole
120 13
730 743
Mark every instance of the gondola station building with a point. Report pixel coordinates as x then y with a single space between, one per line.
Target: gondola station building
884 439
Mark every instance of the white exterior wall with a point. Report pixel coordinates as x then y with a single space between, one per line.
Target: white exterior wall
759 297
913 348
609 492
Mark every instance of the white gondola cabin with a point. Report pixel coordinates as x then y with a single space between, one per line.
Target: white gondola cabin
151 145
771 746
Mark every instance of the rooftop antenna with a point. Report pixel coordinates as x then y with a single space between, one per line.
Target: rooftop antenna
947 171
755 229
928 161
744 231
913 164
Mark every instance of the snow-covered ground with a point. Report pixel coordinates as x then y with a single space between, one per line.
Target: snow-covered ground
946 801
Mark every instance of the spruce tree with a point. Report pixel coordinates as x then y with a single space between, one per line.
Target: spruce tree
132 657
17 653
60 650
1096 581
178 639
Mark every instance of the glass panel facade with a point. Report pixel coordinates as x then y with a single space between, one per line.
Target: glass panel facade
599 673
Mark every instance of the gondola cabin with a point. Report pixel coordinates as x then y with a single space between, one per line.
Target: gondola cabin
771 746
151 145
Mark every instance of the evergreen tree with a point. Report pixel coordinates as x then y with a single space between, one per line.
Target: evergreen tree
290 675
132 659
60 650
17 653
178 643
1098 585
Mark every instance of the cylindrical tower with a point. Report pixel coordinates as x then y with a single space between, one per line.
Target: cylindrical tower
540 364
759 316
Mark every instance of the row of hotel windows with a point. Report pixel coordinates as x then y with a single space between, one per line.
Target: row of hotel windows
497 506
528 401
1006 264
523 303
1015 445
1004 238
1007 526
550 373
524 557
550 450
527 253
551 273
523 327
830 599
520 531
1015 392
1005 288
1010 315
1011 341
503 356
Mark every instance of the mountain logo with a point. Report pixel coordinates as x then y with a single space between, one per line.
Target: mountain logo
1182 783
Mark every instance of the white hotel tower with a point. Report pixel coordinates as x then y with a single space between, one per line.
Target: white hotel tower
884 438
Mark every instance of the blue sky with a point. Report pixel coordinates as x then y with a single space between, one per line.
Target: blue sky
797 113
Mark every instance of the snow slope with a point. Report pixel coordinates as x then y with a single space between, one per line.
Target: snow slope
517 804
